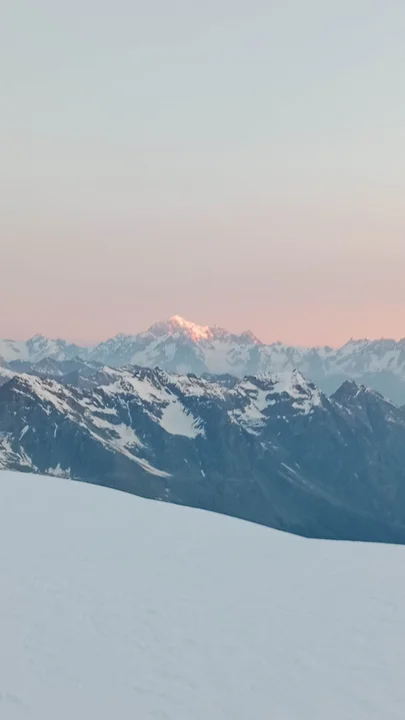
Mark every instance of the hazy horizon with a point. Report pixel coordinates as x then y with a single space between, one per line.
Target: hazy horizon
237 163
236 331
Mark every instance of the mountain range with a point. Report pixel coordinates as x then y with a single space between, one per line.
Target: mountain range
270 448
177 345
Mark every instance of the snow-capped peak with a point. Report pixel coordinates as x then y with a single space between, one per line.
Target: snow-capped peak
291 382
292 385
176 325
249 338
196 332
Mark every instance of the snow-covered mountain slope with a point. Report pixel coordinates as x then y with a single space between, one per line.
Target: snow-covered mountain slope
114 606
52 368
178 345
5 375
13 350
38 348
272 449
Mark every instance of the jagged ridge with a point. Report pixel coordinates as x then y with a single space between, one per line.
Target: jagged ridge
270 448
178 345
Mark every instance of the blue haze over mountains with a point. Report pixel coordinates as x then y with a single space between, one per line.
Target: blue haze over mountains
177 345
268 446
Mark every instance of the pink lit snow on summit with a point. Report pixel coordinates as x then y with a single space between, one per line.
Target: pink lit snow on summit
177 324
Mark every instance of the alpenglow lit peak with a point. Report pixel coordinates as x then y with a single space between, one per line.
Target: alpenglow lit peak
196 332
177 325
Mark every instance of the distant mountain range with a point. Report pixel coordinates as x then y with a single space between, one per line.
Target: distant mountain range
273 449
180 346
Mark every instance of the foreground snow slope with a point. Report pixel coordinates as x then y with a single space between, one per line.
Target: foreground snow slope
114 606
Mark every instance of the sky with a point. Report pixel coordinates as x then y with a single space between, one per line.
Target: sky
237 162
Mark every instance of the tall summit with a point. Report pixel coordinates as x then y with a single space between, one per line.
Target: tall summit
177 325
179 345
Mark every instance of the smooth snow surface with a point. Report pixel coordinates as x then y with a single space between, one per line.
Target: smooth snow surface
117 607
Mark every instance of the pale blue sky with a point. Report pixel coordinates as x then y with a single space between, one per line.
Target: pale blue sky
234 162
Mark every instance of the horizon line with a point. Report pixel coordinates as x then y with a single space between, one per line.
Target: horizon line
81 342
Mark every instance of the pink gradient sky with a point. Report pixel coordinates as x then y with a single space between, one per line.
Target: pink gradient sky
204 163
344 282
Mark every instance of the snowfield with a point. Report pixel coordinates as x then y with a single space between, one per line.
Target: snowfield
117 607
